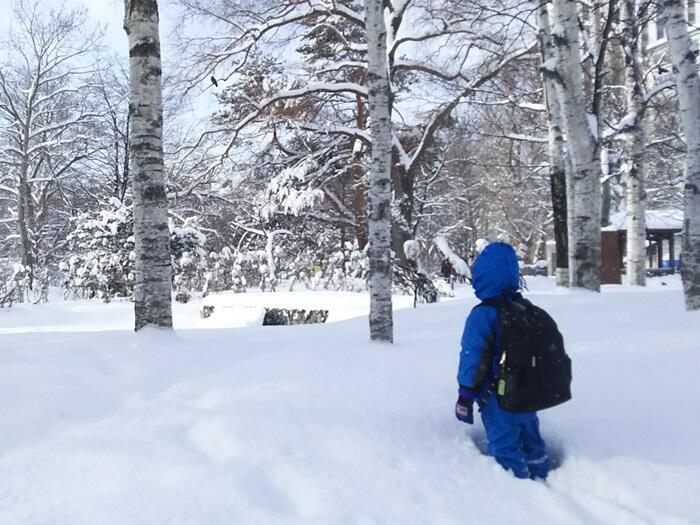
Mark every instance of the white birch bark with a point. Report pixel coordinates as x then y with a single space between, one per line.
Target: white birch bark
152 290
683 57
582 146
556 144
634 137
380 259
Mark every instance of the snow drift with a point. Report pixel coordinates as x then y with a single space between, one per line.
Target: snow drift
312 424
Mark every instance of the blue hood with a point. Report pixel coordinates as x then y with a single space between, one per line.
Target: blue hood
495 273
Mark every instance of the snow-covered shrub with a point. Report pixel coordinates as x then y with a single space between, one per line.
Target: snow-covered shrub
345 270
19 283
188 259
242 273
219 274
102 248
294 261
14 283
302 269
444 288
503 236
357 268
413 282
251 270
41 286
21 280
6 289
101 264
237 270
332 274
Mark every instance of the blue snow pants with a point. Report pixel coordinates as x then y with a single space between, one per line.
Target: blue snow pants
514 440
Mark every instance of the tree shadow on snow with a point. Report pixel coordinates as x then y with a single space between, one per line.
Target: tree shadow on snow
555 449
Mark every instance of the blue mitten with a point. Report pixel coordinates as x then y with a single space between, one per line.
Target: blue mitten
464 409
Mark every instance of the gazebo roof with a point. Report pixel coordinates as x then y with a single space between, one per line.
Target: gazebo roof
659 220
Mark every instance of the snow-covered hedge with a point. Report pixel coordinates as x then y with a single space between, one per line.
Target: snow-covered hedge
101 261
14 283
189 260
101 264
101 245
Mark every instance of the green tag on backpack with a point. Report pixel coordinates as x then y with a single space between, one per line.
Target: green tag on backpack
501 387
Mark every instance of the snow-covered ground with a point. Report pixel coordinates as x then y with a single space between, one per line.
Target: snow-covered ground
313 425
231 310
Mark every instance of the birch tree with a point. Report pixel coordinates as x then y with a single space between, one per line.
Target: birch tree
152 291
683 56
582 145
380 260
556 144
635 139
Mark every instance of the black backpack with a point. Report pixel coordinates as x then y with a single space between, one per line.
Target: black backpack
534 371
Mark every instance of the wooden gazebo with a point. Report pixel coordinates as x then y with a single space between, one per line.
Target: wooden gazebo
662 227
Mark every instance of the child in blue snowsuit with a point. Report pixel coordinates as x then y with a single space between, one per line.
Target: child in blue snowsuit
513 439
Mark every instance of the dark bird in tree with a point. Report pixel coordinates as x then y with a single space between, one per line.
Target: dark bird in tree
213 81
661 70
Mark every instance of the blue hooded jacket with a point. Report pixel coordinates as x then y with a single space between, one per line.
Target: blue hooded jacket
495 275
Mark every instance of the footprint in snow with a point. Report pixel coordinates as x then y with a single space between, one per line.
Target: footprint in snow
215 438
285 489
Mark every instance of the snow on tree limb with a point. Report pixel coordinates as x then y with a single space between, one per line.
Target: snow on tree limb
460 267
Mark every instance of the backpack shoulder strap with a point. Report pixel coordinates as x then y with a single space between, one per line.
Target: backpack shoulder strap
496 303
520 302
517 300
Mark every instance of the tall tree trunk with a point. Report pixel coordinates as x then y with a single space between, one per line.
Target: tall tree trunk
582 146
25 240
358 177
25 208
380 260
152 290
605 187
688 85
402 214
606 201
557 151
121 162
635 166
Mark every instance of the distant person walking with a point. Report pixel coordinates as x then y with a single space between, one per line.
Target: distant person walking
448 271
